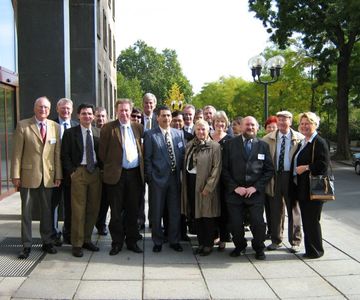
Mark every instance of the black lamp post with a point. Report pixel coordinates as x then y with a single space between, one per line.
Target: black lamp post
274 65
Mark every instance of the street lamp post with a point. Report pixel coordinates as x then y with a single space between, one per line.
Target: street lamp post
274 65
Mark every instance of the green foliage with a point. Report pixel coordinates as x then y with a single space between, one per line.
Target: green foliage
156 72
329 29
129 88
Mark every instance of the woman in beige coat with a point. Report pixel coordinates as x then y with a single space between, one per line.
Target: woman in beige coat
200 189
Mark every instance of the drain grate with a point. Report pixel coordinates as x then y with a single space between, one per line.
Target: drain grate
10 265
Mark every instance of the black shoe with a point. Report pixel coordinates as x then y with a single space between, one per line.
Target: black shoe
90 246
157 248
49 248
185 238
237 252
24 253
260 255
102 231
177 247
115 249
77 252
57 240
206 251
198 250
134 248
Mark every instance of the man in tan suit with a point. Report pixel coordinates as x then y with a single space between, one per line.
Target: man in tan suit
35 170
283 144
120 150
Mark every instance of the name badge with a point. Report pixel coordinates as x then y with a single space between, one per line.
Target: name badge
261 156
180 145
52 141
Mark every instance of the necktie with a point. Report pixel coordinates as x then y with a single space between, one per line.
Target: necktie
170 151
148 123
65 127
130 148
248 147
43 132
281 155
90 163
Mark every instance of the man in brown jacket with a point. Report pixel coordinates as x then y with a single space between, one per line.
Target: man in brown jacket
121 152
35 170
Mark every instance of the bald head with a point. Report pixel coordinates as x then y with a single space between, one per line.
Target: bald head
250 127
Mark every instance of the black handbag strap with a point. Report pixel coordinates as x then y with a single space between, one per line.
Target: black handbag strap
312 159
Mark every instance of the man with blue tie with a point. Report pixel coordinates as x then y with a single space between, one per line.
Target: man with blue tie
121 153
164 154
247 167
79 155
61 197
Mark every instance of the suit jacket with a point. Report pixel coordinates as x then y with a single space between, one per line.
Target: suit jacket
317 167
111 150
156 158
72 148
271 140
154 122
73 123
33 160
187 135
240 170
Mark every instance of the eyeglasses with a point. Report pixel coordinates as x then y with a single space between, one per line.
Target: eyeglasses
136 116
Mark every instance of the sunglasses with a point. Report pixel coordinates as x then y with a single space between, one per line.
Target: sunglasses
136 116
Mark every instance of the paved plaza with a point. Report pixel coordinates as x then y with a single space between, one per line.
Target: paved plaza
173 275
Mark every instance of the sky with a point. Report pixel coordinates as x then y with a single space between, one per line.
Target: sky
212 38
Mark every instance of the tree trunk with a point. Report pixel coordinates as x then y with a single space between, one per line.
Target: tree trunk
343 147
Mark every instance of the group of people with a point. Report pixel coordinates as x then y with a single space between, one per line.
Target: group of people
202 176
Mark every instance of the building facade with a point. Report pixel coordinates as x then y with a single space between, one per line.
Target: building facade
62 48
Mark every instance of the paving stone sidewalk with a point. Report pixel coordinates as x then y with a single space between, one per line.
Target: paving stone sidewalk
173 275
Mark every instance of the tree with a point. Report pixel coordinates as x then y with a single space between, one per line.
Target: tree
129 88
156 72
176 99
330 28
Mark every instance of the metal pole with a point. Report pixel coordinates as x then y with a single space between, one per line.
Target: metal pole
266 107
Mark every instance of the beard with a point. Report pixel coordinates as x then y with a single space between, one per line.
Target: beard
249 134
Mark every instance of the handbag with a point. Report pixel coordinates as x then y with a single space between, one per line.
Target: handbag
322 187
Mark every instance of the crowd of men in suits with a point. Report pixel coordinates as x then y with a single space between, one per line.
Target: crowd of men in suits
78 169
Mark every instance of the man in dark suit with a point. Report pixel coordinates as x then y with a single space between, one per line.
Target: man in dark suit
79 155
164 155
100 120
247 167
189 114
61 197
36 170
120 151
149 117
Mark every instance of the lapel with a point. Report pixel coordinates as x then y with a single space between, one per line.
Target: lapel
160 140
35 129
116 128
254 148
79 138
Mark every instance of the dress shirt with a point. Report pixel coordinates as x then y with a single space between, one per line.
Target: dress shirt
84 133
39 126
287 162
62 128
147 119
126 164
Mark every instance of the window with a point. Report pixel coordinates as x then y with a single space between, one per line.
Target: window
98 25
100 100
113 10
106 104
114 53
104 30
110 44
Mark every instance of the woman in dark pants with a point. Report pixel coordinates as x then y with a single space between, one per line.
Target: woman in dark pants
200 188
304 163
